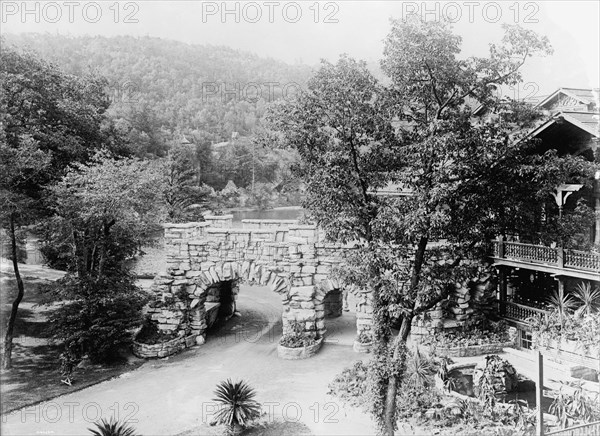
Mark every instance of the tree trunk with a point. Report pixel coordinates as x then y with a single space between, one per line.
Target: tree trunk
398 358
399 345
8 340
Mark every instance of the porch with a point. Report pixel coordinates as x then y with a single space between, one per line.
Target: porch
556 261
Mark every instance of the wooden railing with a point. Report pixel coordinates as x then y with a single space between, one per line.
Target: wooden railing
559 257
591 429
582 260
518 312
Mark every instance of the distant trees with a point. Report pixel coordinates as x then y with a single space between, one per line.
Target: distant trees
181 187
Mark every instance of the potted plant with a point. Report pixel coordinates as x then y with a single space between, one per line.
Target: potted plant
297 343
363 342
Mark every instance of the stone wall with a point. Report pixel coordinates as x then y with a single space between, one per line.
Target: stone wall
468 302
292 259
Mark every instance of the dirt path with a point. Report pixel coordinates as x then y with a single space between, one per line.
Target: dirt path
169 396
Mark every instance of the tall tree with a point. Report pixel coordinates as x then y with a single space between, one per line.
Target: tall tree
468 181
17 167
47 120
106 210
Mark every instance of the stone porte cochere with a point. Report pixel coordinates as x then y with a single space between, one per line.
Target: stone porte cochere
292 259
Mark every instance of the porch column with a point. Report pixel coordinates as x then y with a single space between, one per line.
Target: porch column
502 283
597 227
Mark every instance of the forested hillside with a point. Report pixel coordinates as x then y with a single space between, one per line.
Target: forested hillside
161 89
164 93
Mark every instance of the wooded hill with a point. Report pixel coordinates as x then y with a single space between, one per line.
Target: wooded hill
161 89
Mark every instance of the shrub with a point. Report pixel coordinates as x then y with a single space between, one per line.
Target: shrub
350 385
237 404
296 337
364 337
98 318
469 336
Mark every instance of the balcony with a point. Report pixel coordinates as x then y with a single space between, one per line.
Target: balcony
572 263
518 312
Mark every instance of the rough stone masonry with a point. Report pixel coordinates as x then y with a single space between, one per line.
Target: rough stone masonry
294 260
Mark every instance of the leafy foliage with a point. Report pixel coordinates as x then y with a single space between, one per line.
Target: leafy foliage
588 297
469 336
576 408
105 210
48 120
296 337
468 181
237 404
181 186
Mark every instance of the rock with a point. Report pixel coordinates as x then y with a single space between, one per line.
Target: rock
200 340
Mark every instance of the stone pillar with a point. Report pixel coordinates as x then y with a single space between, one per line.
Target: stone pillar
364 313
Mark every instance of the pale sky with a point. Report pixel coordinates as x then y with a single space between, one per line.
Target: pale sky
306 31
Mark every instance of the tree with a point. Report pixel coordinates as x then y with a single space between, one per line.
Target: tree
47 120
468 181
180 187
17 166
106 210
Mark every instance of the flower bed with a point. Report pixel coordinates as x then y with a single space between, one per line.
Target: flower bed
475 341
297 353
363 343
473 350
150 342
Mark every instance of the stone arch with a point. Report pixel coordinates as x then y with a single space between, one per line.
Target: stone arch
292 260
248 272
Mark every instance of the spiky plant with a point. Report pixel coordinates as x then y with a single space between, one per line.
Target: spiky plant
237 404
562 304
589 298
112 428
420 370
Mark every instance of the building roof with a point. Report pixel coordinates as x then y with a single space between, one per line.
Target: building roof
587 121
585 96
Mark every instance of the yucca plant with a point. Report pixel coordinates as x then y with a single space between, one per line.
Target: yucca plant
562 304
420 370
112 428
589 298
237 404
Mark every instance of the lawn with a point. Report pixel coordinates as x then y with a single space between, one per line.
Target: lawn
35 375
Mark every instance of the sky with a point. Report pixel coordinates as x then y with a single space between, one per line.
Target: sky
307 31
